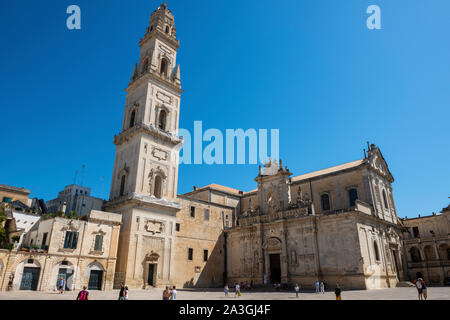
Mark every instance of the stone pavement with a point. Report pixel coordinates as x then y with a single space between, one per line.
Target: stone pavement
434 293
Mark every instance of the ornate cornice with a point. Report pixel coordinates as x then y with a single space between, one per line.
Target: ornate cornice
143 201
161 79
174 43
150 130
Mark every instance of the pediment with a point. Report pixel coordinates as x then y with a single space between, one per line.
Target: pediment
379 164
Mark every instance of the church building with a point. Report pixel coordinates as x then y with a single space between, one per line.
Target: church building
339 224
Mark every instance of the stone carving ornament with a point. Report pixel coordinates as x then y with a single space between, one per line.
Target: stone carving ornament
152 256
154 227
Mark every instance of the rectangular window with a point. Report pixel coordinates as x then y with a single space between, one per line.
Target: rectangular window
193 212
7 200
205 255
416 232
190 253
44 240
98 242
207 214
227 224
177 227
71 240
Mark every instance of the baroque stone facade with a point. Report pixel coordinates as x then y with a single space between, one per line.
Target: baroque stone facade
427 247
338 224
82 252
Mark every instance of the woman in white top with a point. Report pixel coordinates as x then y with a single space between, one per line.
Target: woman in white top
125 293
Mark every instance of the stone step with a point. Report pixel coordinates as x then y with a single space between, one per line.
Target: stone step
401 284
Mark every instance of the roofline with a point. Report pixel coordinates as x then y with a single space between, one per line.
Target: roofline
320 176
205 202
206 188
16 189
424 217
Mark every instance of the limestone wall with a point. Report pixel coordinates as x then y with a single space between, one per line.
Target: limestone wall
200 234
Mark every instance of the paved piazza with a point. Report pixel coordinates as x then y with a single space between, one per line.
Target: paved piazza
435 293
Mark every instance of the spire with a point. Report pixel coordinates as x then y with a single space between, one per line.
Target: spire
177 75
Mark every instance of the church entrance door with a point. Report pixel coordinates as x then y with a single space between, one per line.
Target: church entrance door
151 274
275 268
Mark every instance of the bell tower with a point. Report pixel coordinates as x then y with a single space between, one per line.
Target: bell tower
145 175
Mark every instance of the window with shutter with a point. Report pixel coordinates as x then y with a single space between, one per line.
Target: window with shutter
67 240
74 240
98 242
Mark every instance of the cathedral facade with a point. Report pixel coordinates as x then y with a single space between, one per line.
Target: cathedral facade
338 224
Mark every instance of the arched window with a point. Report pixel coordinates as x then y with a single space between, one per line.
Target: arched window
352 196
377 253
385 203
163 69
444 251
167 29
122 186
162 120
132 118
325 200
157 187
415 254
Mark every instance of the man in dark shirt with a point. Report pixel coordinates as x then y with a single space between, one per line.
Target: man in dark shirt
83 294
337 291
122 289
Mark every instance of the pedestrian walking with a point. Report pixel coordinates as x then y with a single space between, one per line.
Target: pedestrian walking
225 290
121 292
125 293
317 285
419 288
337 292
322 287
174 293
83 294
166 294
237 290
297 289
10 281
62 285
424 289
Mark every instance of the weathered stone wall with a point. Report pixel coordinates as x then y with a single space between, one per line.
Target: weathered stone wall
429 252
199 234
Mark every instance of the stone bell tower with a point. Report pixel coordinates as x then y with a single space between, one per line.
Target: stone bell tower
144 181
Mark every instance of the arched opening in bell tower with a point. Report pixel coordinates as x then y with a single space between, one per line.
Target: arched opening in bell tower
132 118
162 120
122 186
163 69
157 187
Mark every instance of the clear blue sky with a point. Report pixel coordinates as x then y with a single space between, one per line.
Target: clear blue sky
309 68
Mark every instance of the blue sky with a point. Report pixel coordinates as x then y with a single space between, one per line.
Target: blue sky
311 69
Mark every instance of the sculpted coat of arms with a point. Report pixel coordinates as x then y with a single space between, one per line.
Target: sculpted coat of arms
154 226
